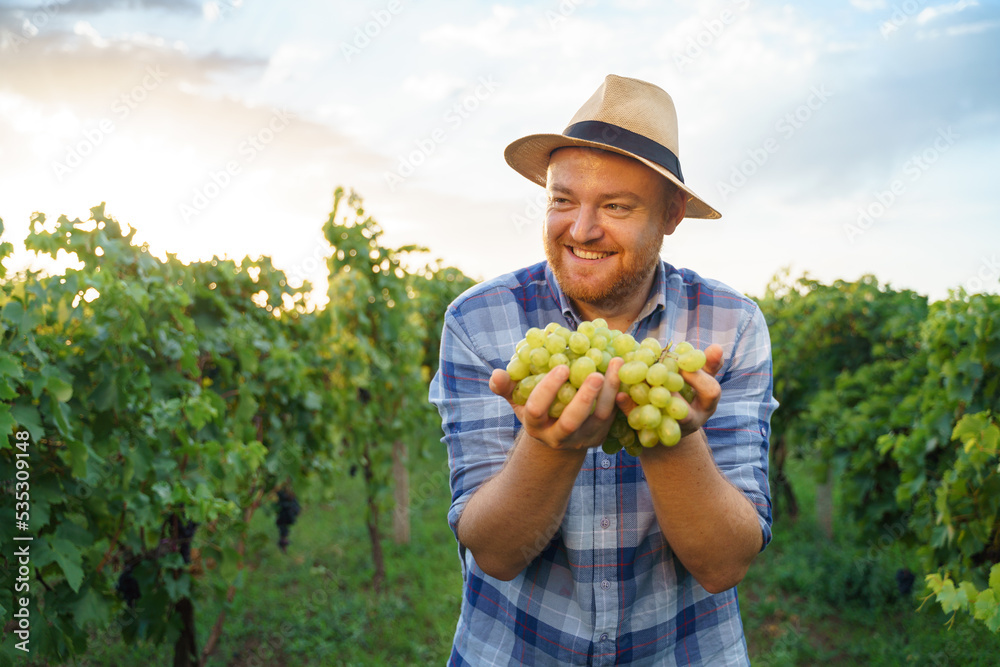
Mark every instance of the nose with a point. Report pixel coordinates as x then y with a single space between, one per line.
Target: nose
586 227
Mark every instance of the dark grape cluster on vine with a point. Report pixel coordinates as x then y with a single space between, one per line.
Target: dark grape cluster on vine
128 587
288 512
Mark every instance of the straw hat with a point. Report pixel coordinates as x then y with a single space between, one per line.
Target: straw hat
625 116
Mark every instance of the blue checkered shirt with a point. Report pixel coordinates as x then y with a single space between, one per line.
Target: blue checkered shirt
607 589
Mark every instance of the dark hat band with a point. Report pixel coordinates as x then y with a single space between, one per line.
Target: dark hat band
626 140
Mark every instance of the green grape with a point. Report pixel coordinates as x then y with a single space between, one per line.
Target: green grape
670 363
682 347
595 355
632 372
611 446
599 342
648 437
687 393
619 425
551 327
668 432
660 397
556 409
580 369
566 393
522 391
564 332
678 408
652 345
656 375
634 450
539 358
691 361
623 344
521 343
605 360
555 343
558 359
535 337
524 354
645 355
628 356
600 323
674 382
579 343
586 328
628 438
517 369
649 416
639 393
633 419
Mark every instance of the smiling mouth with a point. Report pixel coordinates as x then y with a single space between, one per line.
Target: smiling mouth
586 254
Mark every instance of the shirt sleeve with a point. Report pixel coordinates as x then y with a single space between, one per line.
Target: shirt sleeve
479 426
738 431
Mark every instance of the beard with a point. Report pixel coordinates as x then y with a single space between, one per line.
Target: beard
631 275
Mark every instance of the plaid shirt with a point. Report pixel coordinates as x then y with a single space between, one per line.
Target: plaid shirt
607 589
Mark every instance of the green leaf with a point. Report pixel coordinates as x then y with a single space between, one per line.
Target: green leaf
61 390
995 579
69 558
986 604
27 416
78 455
7 425
10 366
177 588
91 608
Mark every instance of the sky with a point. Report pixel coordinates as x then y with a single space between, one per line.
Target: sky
836 138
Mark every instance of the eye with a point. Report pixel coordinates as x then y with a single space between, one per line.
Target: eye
617 208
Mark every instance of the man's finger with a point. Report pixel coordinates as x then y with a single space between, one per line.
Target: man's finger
501 384
713 359
606 399
578 409
542 396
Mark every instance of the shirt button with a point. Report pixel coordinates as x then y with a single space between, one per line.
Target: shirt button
604 637
605 584
605 522
606 463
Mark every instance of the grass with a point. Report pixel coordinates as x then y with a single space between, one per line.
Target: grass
805 601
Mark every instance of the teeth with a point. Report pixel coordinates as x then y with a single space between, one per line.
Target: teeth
583 254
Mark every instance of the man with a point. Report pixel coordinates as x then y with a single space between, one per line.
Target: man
572 556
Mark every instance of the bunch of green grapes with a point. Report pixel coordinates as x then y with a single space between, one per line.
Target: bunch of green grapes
650 376
585 351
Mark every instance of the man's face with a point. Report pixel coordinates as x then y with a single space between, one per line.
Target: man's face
604 225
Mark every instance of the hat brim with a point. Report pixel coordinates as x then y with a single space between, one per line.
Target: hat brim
529 156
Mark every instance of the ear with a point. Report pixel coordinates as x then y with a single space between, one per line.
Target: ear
674 212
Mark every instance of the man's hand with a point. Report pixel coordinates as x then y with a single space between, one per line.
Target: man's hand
706 397
577 427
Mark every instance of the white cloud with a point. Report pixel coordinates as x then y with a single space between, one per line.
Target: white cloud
489 35
432 86
85 29
868 5
932 13
971 28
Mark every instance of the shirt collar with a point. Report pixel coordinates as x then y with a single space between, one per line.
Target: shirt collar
656 301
